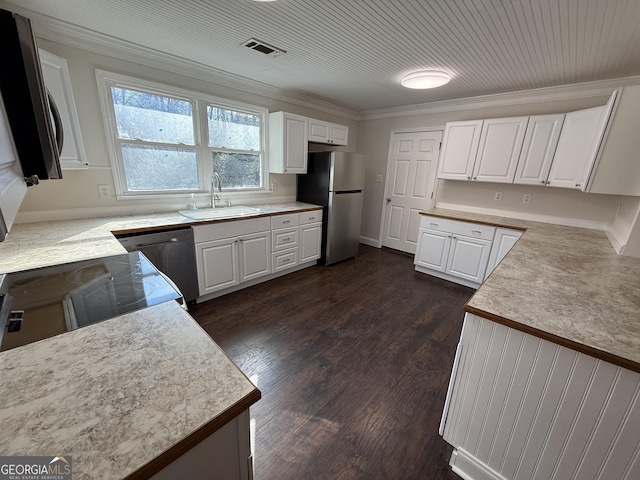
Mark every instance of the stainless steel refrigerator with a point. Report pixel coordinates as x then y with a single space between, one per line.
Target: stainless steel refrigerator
335 180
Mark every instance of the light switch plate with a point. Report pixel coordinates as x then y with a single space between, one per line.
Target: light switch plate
104 191
379 178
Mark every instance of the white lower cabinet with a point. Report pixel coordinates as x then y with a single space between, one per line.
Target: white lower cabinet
522 407
240 253
503 241
223 455
229 253
453 250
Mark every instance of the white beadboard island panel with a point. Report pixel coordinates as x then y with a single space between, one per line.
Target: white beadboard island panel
526 408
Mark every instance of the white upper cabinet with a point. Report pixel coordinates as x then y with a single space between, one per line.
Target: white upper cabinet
327 132
617 169
578 146
459 149
288 143
538 149
58 82
499 149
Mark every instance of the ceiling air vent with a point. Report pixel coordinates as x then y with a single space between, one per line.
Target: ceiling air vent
262 47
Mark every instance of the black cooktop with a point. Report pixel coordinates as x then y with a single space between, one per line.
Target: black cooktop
45 302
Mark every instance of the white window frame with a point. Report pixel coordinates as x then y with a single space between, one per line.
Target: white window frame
200 101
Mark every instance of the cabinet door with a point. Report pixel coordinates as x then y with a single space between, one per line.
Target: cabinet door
288 134
504 240
217 263
538 149
468 257
459 149
499 149
255 256
577 148
319 131
339 134
310 242
58 81
432 249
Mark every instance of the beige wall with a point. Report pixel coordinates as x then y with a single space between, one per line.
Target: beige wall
374 138
77 194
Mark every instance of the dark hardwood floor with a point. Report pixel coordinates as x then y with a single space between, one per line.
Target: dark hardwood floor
353 362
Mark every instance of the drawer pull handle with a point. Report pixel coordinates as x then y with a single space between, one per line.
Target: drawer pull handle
433 225
476 232
286 239
286 221
286 260
312 218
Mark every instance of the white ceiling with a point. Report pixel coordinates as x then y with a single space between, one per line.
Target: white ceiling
354 53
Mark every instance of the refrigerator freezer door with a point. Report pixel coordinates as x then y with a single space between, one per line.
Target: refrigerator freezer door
347 171
343 226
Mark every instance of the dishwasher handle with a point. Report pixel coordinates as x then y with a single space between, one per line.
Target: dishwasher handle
153 244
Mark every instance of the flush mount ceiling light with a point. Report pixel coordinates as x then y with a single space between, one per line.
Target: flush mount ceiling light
425 79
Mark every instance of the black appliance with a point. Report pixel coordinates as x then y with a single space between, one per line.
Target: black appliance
44 302
30 117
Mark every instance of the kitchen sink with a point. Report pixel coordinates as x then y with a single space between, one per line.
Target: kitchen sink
220 212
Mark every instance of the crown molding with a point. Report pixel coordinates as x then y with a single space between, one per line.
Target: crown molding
74 36
598 88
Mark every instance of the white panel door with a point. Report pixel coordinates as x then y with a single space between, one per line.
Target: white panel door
538 149
411 175
433 249
499 149
255 256
503 241
577 148
468 258
310 242
459 150
217 263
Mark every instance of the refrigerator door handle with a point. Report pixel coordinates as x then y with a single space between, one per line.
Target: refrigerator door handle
347 191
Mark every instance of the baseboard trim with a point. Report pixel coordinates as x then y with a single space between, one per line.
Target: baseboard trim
372 242
615 242
470 468
446 276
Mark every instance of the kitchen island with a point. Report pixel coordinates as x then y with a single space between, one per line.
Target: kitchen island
124 398
139 395
546 380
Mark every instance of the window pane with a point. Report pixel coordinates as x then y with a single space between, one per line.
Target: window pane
233 130
158 168
152 118
237 170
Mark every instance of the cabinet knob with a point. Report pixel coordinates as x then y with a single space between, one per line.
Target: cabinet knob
468 178
475 178
548 182
388 200
577 184
543 182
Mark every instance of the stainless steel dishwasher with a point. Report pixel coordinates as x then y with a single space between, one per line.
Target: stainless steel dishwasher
172 252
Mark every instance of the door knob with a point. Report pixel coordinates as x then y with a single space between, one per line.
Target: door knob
388 200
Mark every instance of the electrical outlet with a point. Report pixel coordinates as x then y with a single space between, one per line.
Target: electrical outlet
526 198
103 191
379 178
498 197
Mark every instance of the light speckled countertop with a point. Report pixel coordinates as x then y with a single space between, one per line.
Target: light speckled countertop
565 284
119 393
40 244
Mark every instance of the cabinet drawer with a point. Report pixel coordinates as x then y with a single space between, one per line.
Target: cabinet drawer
283 260
218 230
284 238
313 216
284 221
468 229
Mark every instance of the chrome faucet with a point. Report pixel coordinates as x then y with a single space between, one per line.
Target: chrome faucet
214 196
